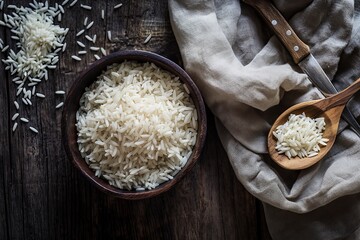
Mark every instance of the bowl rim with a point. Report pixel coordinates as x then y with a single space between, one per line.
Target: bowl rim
85 78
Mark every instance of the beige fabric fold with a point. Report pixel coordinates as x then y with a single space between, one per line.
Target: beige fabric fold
247 79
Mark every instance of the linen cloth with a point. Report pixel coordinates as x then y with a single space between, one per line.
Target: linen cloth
247 79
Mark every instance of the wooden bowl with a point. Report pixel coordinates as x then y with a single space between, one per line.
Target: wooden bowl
69 131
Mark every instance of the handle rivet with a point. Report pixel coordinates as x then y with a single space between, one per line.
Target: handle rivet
288 32
274 22
296 48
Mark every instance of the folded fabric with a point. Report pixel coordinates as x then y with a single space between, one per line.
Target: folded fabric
247 79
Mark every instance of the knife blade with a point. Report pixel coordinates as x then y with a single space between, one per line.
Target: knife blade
300 52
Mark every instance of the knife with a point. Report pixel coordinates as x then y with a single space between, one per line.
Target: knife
300 52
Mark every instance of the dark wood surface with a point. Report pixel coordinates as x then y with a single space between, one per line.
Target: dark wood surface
42 196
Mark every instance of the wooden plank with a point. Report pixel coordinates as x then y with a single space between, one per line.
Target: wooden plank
263 232
28 193
5 131
13 163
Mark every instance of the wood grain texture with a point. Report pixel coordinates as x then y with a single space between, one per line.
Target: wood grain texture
5 125
296 47
42 196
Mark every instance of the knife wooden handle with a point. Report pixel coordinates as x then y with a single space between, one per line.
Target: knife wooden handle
297 48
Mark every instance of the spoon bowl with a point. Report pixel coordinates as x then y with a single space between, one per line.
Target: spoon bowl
330 109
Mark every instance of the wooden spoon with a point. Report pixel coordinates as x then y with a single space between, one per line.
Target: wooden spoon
330 108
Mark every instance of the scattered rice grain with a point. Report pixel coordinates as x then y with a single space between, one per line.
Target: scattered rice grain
103 51
73 3
10 6
89 38
76 58
64 2
60 92
90 25
85 6
59 105
148 39
5 48
15 116
16 105
118 5
80 44
80 32
94 48
25 120
61 9
14 126
34 129
64 47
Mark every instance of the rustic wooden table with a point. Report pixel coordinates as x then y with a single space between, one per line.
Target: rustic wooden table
42 196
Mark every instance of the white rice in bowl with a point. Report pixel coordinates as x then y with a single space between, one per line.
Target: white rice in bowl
136 125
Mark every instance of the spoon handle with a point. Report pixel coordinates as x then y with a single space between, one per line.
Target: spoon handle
344 96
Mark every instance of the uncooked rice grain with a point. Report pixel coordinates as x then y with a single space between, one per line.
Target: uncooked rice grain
103 51
148 39
85 7
5 48
89 38
61 9
300 136
15 116
14 126
76 58
118 5
73 3
80 32
64 2
24 101
38 42
24 120
59 105
34 129
136 125
90 25
16 104
80 44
